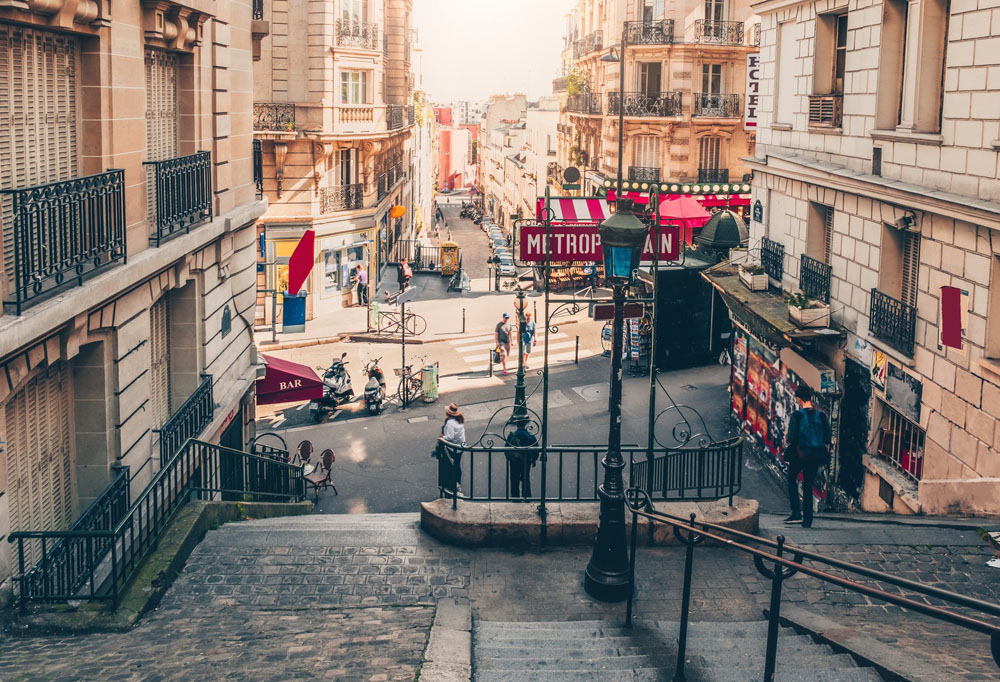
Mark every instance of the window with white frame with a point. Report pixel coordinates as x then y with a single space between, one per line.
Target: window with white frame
652 10
711 78
354 87
709 152
354 11
715 10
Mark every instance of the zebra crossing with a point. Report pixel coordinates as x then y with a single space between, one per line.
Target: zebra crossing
475 351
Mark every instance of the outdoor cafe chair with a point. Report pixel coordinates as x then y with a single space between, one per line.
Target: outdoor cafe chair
320 476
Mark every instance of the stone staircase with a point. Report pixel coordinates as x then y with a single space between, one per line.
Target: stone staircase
588 651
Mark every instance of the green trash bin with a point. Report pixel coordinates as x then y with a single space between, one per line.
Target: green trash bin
429 376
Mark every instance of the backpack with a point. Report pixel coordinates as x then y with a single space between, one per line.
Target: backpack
812 433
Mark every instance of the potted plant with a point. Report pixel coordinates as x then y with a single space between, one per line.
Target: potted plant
754 276
807 312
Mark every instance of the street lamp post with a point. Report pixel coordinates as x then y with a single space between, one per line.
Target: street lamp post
520 408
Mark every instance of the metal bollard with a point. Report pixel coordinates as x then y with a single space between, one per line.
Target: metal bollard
490 362
576 358
463 320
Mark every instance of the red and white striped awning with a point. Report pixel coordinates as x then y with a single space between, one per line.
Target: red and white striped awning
573 210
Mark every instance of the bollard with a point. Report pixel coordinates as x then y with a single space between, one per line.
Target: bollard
490 362
463 320
576 357
535 306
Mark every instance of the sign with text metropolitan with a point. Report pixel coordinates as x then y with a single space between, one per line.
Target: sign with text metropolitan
582 243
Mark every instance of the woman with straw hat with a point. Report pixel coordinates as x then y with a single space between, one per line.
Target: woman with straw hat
453 435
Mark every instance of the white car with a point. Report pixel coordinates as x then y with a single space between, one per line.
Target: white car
507 268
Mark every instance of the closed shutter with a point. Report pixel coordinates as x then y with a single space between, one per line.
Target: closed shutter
911 262
38 116
828 234
161 116
647 151
39 456
709 153
159 367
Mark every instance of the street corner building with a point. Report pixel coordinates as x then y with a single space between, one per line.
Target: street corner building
341 136
128 239
876 201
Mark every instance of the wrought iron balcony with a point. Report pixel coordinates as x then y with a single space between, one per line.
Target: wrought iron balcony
814 279
62 233
594 42
826 111
587 103
388 178
755 36
341 198
647 103
559 84
357 34
579 48
183 195
393 116
258 168
188 421
411 115
649 32
385 45
718 32
893 321
273 116
258 9
641 174
713 175
772 257
717 105
407 49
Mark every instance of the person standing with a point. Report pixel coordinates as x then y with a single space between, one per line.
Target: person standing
501 337
527 338
520 460
806 452
452 439
362 280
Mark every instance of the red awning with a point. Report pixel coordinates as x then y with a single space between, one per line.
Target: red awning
287 382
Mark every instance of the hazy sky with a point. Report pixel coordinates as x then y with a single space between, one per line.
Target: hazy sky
476 48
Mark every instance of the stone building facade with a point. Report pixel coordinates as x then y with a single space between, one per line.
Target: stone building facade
333 127
128 221
876 171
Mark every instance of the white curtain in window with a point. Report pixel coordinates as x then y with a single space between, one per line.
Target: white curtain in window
647 151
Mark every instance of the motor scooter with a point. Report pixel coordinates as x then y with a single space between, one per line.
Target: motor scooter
375 389
337 390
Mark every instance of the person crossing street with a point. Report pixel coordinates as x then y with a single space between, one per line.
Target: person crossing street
502 339
806 452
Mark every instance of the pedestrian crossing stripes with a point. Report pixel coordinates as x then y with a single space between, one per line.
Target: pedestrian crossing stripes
536 351
536 361
490 344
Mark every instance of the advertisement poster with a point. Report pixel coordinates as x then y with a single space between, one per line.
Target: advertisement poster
879 363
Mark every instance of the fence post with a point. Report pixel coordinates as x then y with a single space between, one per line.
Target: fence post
777 576
576 356
690 541
631 569
463 320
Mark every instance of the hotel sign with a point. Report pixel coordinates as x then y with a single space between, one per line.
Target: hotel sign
752 97
582 243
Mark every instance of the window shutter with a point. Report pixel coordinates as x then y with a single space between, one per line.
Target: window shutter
159 367
828 236
911 262
161 117
709 153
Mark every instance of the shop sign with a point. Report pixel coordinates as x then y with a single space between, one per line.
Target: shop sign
758 212
903 392
583 243
753 92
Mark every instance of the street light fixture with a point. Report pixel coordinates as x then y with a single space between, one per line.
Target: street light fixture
607 577
520 407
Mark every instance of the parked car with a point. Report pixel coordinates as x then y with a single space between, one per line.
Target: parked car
507 266
499 242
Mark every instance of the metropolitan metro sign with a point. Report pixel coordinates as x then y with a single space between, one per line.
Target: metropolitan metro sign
582 243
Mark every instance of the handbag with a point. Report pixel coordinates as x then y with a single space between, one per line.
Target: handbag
496 355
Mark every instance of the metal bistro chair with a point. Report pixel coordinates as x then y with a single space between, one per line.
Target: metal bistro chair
320 476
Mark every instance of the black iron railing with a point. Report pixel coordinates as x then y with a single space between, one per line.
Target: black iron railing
198 471
407 51
772 257
594 41
183 195
718 32
411 114
647 103
258 168
713 175
273 116
418 255
62 233
814 278
388 178
649 32
893 321
573 473
785 561
755 36
258 9
586 103
717 105
63 567
394 116
559 84
189 420
579 48
357 34
341 198
640 174
385 44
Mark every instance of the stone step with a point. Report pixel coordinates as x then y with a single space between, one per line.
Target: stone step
541 660
313 520
591 629
666 674
634 675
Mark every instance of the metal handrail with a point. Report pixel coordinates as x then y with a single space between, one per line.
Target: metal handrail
182 194
639 503
189 420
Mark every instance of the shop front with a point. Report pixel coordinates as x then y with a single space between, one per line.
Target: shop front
339 258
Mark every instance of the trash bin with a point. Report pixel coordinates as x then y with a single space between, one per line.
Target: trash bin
429 376
293 316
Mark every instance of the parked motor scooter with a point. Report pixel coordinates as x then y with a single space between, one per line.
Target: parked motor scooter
337 390
375 389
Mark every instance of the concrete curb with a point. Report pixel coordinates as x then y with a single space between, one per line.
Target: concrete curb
448 657
512 524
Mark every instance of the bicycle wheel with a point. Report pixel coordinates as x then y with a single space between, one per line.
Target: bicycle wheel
403 393
416 386
415 324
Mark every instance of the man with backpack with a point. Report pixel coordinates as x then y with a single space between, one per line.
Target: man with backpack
806 452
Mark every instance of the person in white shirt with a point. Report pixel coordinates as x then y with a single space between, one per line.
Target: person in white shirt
453 433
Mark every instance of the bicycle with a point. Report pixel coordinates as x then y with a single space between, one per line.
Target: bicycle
390 322
411 384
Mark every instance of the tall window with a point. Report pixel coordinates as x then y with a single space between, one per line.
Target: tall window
784 110
348 164
353 10
709 152
354 87
650 77
652 10
714 10
900 259
647 151
840 57
711 78
819 239
831 54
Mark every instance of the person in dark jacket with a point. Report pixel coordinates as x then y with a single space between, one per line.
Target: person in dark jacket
520 461
807 450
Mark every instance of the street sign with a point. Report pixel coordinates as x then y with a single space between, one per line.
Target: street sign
582 243
571 186
407 295
571 174
606 311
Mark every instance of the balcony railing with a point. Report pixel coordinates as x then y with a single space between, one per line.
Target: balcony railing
559 84
718 32
755 36
258 168
713 175
647 103
183 194
650 32
594 42
826 110
579 48
62 233
388 178
893 321
772 257
341 198
641 174
717 105
411 115
273 116
188 421
394 116
357 34
385 45
258 9
587 103
814 279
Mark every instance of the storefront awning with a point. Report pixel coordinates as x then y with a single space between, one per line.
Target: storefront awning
572 210
287 382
